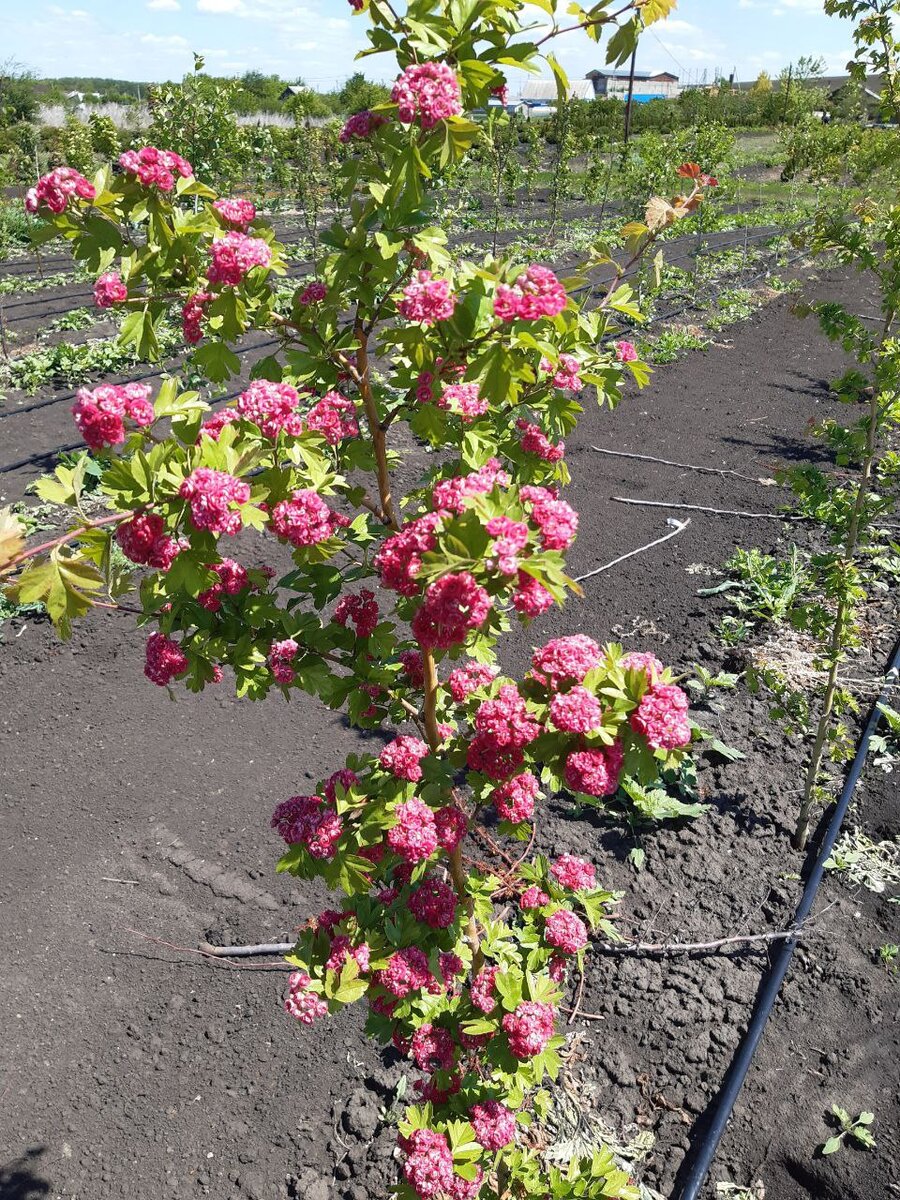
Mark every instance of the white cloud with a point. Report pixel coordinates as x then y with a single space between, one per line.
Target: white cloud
235 7
173 43
164 5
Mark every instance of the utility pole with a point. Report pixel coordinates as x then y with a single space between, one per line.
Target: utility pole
628 106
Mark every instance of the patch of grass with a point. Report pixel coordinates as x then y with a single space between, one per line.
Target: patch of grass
74 319
70 365
672 343
14 285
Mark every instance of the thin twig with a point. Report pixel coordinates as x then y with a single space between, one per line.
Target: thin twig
682 525
204 953
246 951
690 947
573 1013
110 879
667 462
719 512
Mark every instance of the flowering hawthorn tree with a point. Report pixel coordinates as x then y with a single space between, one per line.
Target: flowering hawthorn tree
461 963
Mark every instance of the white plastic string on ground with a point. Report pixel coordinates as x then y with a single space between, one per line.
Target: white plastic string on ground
680 527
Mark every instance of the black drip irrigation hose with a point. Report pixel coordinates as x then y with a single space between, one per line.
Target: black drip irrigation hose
696 1165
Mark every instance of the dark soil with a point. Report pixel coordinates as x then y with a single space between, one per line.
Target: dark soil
136 1068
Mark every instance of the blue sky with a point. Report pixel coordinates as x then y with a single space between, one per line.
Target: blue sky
317 39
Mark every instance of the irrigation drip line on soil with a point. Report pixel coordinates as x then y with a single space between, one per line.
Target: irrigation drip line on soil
9 467
699 1158
771 233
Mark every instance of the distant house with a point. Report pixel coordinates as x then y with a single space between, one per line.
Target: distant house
543 91
833 85
293 89
648 85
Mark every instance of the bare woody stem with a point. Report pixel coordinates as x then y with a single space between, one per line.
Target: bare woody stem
71 535
836 642
379 441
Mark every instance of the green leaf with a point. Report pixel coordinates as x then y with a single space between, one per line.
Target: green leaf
138 331
833 1144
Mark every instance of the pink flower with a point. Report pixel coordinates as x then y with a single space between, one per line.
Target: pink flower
313 293
470 678
557 521
637 661
625 352
533 897
451 966
433 903
506 719
343 778
454 605
429 1166
211 495
402 757
466 1189
426 93
281 655
100 414
407 971
192 319
464 400
234 255
414 837
109 290
433 1048
494 1124
308 821
362 124
238 214
271 406
57 189
531 598
334 416
566 931
453 494
155 168
529 1028
164 659
427 300
573 873
565 375
143 540
536 293
305 519
400 556
232 579
577 711
514 800
301 1003
413 667
451 826
567 659
360 610
510 539
594 772
481 989
214 424
535 441
661 717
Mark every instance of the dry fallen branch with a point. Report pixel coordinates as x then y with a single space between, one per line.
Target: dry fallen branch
681 526
628 947
719 512
667 462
